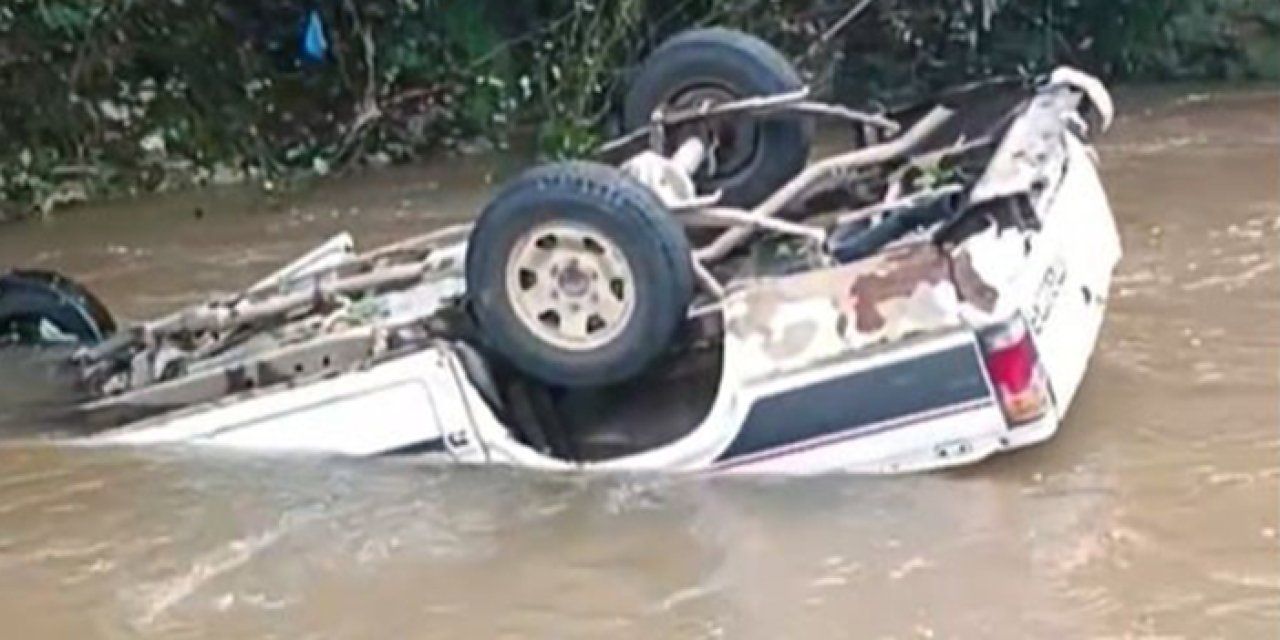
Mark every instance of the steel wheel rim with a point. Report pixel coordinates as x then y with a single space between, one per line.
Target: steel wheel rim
570 285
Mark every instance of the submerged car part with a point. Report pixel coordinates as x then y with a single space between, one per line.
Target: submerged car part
47 308
909 353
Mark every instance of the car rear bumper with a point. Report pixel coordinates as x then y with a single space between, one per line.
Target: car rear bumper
911 444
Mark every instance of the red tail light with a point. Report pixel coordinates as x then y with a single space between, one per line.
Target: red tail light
1014 366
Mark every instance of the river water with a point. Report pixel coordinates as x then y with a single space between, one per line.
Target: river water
1152 515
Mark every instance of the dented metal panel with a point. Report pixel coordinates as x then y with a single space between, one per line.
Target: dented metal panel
1032 150
907 290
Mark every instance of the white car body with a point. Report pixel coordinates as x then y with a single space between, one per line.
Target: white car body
843 401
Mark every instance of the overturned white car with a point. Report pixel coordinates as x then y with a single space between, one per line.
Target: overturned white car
711 301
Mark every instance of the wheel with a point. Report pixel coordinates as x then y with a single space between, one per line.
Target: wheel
753 156
578 275
42 307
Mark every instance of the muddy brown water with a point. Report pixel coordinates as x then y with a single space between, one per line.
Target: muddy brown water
1152 515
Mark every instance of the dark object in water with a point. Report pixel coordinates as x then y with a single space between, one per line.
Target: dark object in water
39 390
46 308
44 319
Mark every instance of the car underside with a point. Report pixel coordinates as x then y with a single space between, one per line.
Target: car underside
592 304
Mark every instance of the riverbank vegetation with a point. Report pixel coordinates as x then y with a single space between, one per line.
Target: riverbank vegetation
99 98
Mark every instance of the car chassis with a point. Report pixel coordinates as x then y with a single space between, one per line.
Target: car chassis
333 311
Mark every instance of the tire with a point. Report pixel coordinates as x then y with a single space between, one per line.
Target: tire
29 297
581 218
730 65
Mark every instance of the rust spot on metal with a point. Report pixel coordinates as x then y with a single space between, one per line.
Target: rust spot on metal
900 274
896 293
895 275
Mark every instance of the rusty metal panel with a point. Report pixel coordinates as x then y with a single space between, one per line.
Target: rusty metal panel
790 321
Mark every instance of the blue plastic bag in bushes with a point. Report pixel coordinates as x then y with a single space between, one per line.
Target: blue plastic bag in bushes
314 44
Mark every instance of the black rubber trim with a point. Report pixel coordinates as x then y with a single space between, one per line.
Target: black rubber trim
435 445
860 400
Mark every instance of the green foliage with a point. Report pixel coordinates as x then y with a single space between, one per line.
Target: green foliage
911 46
101 97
